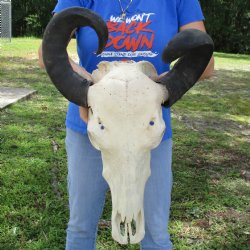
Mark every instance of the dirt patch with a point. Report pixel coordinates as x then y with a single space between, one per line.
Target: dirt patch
202 124
229 215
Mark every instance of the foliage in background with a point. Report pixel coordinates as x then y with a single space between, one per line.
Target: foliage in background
30 17
33 25
228 22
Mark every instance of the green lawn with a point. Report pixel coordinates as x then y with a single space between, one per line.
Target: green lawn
210 199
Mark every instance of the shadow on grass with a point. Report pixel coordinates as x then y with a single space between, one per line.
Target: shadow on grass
205 193
19 72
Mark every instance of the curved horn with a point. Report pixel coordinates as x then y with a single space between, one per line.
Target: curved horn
56 38
195 49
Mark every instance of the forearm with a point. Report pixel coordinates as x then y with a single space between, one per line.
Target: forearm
40 57
78 69
209 71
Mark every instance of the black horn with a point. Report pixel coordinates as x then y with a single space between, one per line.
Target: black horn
55 41
194 49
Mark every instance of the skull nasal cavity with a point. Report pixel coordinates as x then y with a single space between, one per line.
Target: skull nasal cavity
122 228
133 226
125 224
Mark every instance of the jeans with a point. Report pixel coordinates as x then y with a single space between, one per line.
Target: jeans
87 189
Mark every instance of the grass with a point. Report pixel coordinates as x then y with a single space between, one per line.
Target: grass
210 199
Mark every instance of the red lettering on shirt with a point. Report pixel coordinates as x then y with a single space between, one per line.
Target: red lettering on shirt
130 36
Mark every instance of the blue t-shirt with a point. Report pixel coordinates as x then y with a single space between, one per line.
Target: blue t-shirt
148 27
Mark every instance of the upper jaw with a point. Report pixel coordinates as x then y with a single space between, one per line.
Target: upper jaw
126 230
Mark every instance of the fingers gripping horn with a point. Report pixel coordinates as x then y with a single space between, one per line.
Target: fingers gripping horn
56 38
195 49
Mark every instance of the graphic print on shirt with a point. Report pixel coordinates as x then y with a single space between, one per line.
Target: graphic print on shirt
130 38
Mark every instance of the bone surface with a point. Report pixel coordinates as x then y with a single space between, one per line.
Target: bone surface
125 123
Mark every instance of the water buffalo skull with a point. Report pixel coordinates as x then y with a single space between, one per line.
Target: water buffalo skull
125 129
125 114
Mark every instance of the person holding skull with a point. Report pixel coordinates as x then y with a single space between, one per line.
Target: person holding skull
137 30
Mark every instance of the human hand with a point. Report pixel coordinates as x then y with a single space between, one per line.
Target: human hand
157 78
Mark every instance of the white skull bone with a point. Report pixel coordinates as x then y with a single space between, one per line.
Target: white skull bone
125 123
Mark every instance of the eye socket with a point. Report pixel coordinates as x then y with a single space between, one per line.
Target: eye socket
152 123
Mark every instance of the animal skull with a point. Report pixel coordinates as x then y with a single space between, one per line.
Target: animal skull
125 123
